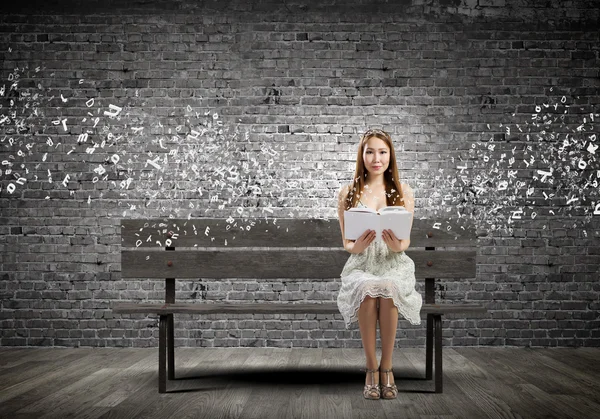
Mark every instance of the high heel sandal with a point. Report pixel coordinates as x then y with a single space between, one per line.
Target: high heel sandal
389 391
371 391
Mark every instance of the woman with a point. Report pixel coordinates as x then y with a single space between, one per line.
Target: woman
378 280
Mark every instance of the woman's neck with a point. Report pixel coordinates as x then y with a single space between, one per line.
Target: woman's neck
374 185
375 181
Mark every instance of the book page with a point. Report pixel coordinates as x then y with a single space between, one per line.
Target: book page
400 222
362 209
356 222
392 209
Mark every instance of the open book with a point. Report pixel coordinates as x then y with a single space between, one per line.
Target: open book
397 219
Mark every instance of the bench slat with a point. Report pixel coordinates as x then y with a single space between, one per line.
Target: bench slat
271 308
313 264
287 232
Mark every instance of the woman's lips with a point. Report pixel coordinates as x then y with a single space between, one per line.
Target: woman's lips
376 167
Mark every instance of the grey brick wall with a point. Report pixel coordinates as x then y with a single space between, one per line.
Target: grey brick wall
482 99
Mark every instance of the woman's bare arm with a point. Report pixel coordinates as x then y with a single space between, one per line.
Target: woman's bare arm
343 193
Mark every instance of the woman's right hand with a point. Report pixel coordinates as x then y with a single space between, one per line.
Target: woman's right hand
364 241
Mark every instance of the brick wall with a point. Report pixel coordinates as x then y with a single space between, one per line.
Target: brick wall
150 109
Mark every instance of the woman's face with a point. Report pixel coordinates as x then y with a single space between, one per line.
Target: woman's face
376 156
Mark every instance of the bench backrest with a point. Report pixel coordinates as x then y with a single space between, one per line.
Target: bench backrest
290 248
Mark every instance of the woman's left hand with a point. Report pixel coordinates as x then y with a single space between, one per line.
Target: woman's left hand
392 242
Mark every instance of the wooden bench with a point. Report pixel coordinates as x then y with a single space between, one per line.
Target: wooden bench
290 249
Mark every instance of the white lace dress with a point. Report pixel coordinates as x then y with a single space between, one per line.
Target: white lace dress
379 272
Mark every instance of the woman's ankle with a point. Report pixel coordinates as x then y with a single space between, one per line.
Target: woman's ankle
372 366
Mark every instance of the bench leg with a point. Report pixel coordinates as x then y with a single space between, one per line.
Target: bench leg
438 353
429 348
171 350
162 354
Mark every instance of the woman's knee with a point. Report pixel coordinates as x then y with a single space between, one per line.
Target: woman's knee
369 302
387 303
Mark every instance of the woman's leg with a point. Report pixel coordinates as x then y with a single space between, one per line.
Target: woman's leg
367 323
388 323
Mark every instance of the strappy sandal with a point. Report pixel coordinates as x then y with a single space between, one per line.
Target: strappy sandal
389 391
372 391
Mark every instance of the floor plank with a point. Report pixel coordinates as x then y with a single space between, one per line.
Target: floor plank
11 358
107 393
340 373
494 396
549 375
81 363
186 359
567 405
421 390
479 382
583 359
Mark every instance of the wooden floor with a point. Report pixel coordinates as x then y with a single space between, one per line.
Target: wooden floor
296 383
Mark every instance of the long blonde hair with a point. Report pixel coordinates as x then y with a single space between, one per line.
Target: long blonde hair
391 180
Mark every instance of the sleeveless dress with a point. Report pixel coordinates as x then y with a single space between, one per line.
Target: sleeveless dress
379 272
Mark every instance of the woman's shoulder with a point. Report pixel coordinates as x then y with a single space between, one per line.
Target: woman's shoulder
346 188
344 191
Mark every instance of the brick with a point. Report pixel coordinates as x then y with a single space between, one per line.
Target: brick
425 79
